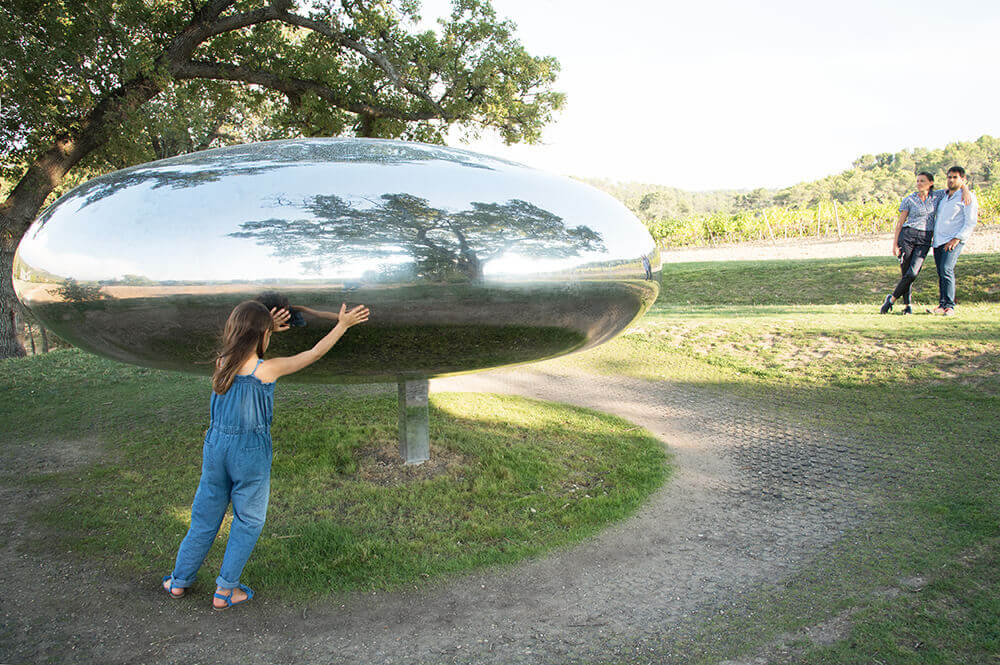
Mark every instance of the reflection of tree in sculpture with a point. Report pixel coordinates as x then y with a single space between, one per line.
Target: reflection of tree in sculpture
257 159
444 244
73 291
103 187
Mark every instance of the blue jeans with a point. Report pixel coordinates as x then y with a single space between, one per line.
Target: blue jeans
945 262
235 468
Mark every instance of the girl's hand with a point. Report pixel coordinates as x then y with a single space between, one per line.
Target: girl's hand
279 319
966 195
352 317
896 251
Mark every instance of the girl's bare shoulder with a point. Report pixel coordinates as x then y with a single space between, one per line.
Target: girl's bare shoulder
267 372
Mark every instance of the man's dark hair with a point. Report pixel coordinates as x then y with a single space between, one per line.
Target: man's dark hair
276 300
273 299
957 169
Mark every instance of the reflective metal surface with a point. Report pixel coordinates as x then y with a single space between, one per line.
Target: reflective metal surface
467 262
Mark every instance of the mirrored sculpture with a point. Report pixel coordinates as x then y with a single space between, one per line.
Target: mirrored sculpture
466 261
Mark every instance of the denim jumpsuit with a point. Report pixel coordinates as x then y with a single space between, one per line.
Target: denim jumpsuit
236 467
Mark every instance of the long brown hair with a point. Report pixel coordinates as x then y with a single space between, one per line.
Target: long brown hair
245 330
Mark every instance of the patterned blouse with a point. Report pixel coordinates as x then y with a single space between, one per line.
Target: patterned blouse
921 213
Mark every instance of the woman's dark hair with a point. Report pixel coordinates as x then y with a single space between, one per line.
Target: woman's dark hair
245 330
929 176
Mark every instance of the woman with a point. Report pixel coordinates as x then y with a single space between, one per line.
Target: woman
911 241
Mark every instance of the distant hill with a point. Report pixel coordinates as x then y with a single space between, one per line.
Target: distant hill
860 199
881 178
660 201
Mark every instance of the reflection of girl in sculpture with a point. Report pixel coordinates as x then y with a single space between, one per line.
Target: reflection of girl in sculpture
236 458
274 300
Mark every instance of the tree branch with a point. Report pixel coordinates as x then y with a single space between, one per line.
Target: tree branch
377 58
244 20
278 11
197 31
291 86
210 11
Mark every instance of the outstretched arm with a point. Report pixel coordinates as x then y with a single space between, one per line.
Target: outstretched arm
318 313
273 369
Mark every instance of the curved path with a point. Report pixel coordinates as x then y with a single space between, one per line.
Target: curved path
752 498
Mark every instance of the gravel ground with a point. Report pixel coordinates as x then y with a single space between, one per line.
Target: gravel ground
752 499
984 239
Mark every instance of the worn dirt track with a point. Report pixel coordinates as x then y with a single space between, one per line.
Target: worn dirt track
751 500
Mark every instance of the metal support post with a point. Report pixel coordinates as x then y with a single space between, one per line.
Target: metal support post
414 440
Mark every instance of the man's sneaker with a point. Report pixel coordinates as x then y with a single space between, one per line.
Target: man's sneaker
887 305
936 310
949 312
907 310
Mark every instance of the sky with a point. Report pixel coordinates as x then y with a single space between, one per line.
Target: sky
727 94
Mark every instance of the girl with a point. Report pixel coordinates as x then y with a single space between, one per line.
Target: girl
236 458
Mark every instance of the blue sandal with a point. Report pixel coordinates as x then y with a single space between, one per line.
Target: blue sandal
170 591
229 598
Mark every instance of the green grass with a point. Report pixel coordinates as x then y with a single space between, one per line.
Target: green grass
920 626
811 282
509 477
828 345
803 340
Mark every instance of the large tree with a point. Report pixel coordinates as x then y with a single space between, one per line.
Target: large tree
443 244
81 81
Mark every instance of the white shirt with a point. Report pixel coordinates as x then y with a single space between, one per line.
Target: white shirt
954 219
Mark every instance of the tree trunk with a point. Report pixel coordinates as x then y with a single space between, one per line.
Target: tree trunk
43 176
469 265
45 338
10 319
365 126
78 141
31 336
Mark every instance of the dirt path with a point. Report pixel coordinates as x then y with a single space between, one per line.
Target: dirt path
752 499
983 240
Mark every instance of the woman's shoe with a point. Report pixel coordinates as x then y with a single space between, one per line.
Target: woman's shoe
229 598
907 310
887 305
170 588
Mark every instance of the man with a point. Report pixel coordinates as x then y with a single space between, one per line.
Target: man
952 227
